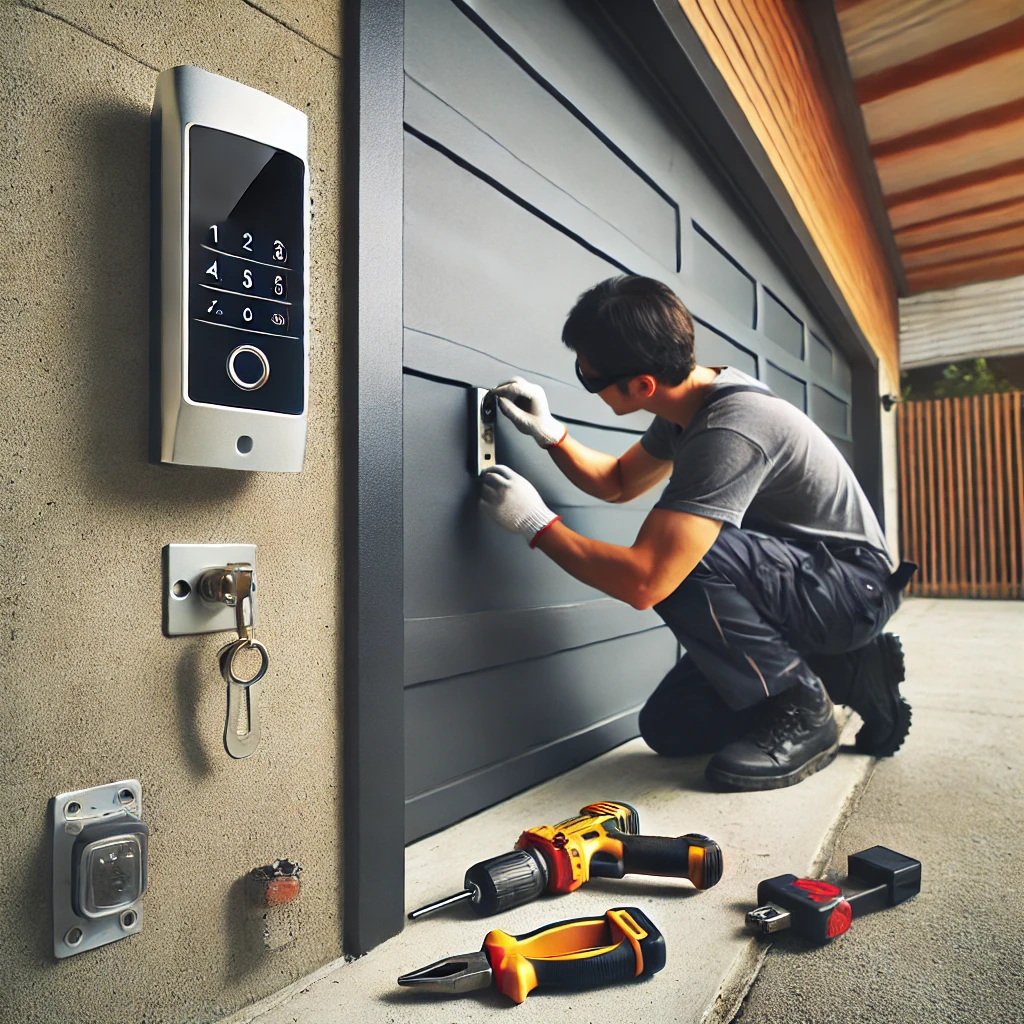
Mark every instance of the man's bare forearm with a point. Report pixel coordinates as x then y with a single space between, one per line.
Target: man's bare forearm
665 552
617 571
593 472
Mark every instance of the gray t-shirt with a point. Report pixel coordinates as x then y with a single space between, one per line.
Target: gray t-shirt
758 462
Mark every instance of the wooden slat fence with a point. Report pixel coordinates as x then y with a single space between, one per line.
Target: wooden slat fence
962 495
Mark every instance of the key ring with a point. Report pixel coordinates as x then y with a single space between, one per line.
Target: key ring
227 661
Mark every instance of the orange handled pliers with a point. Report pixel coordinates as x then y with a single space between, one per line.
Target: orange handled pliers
587 952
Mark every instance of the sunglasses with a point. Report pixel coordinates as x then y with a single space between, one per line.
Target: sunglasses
599 383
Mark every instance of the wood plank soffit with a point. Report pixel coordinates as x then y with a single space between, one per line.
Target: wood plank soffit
828 41
769 61
951 275
951 131
959 94
1008 172
971 221
940 63
978 244
974 152
962 201
714 111
880 34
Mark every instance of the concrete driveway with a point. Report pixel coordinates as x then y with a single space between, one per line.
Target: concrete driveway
954 799
951 798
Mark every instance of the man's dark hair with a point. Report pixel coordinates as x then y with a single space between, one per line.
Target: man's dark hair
633 324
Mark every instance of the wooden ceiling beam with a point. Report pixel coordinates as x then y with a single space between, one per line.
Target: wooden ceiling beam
949 60
961 224
880 34
950 131
958 272
983 243
973 153
1009 176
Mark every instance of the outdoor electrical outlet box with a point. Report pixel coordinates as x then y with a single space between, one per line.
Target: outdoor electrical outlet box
231 275
100 855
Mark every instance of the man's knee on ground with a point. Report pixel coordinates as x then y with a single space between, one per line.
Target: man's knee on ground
669 732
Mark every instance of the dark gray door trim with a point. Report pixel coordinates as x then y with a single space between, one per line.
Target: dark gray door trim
373 745
667 50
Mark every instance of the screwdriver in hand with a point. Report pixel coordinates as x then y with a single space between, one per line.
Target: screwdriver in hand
624 945
603 841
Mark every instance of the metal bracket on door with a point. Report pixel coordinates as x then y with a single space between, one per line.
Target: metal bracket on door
483 414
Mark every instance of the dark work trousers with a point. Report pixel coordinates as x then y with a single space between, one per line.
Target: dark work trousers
757 616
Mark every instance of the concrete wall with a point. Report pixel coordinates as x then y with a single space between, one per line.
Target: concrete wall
90 690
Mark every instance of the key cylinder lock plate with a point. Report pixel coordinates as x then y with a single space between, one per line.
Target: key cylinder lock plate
185 610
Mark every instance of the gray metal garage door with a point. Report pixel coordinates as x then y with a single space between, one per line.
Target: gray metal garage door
536 165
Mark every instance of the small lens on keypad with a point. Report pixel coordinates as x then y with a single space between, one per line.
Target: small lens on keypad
248 368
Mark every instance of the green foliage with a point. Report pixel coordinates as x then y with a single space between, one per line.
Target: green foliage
905 388
963 380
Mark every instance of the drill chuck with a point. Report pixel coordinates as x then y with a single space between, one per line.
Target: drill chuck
506 881
502 882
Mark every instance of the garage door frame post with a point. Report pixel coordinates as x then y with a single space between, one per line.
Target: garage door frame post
373 743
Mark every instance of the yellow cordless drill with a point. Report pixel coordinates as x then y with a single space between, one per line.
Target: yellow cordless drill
603 841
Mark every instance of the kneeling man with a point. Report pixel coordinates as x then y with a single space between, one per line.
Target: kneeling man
762 555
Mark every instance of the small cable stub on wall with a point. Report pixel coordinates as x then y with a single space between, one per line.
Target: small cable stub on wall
272 890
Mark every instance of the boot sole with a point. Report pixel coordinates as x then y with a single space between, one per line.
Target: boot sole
895 666
760 782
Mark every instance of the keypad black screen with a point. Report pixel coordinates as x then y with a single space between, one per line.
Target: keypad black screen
246 264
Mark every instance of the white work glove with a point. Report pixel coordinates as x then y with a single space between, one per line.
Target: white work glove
537 420
513 502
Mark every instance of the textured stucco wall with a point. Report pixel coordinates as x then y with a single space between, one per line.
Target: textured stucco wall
90 690
889 384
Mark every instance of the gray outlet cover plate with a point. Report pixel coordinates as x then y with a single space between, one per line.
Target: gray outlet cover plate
189 614
94 804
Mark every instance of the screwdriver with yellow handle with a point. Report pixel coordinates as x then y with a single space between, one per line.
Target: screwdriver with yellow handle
603 841
588 952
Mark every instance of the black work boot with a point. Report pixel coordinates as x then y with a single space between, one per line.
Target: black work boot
868 680
796 737
878 670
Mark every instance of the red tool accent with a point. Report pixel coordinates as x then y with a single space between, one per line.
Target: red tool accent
561 876
820 892
840 919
